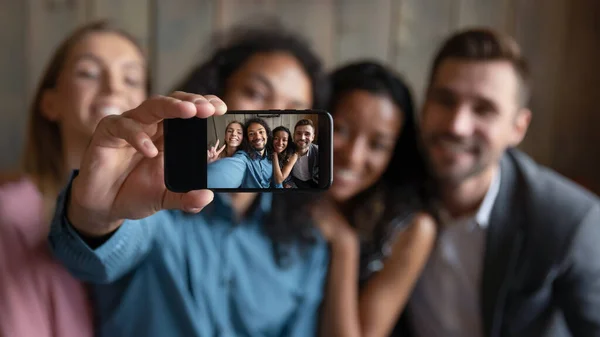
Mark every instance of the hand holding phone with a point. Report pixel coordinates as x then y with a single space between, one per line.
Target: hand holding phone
121 173
266 150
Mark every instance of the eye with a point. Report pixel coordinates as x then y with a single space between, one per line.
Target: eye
133 82
443 98
379 146
254 94
87 73
484 108
341 130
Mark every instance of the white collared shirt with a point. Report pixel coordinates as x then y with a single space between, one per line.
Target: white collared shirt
446 299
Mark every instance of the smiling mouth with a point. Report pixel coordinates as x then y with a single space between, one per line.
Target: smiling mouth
109 110
453 148
345 176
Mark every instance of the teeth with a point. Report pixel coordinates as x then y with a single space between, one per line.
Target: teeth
346 174
110 110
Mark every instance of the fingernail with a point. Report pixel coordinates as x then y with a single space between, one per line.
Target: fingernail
216 100
147 144
193 210
201 101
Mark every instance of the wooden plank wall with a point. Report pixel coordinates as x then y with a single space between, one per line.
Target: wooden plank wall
560 38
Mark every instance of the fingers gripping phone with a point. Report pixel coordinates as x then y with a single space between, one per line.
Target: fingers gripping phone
250 151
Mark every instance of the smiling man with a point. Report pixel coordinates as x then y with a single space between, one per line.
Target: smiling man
250 168
305 173
517 248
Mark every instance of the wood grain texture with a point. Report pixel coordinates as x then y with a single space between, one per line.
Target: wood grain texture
131 15
311 19
542 32
496 14
49 23
576 121
420 28
363 30
315 21
180 35
13 84
233 12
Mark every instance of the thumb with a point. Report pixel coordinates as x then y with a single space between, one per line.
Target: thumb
191 202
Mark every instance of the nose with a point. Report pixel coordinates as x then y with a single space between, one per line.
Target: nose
353 152
111 83
461 121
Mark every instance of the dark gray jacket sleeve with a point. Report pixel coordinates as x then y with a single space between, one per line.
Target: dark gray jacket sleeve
577 289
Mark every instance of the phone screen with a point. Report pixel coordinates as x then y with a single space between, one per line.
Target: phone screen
250 151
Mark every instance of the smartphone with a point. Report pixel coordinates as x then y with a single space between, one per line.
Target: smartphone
250 151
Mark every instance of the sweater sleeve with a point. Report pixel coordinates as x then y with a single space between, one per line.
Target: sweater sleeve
122 252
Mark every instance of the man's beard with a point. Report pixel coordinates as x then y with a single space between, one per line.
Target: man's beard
257 148
302 145
448 175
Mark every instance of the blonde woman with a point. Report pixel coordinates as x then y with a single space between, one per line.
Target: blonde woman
97 71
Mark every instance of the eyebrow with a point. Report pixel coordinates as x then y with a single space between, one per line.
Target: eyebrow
260 78
442 90
94 58
265 81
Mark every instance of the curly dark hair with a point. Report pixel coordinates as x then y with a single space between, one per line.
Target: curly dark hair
236 46
246 146
291 146
405 187
289 222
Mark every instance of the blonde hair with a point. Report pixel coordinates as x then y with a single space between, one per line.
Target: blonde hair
43 157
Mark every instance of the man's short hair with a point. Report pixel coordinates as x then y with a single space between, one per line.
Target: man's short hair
304 122
482 44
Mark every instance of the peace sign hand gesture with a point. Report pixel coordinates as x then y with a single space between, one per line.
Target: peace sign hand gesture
213 153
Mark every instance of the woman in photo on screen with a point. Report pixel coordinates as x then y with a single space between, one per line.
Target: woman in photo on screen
284 156
234 135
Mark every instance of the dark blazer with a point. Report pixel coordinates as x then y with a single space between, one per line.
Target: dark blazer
313 164
541 272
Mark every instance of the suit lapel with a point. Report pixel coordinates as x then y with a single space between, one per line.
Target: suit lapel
503 243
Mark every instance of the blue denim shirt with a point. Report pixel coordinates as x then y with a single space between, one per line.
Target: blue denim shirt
241 171
175 274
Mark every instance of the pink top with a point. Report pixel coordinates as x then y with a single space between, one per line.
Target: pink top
38 297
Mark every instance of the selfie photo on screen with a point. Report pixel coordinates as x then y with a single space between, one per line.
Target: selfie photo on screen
264 151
